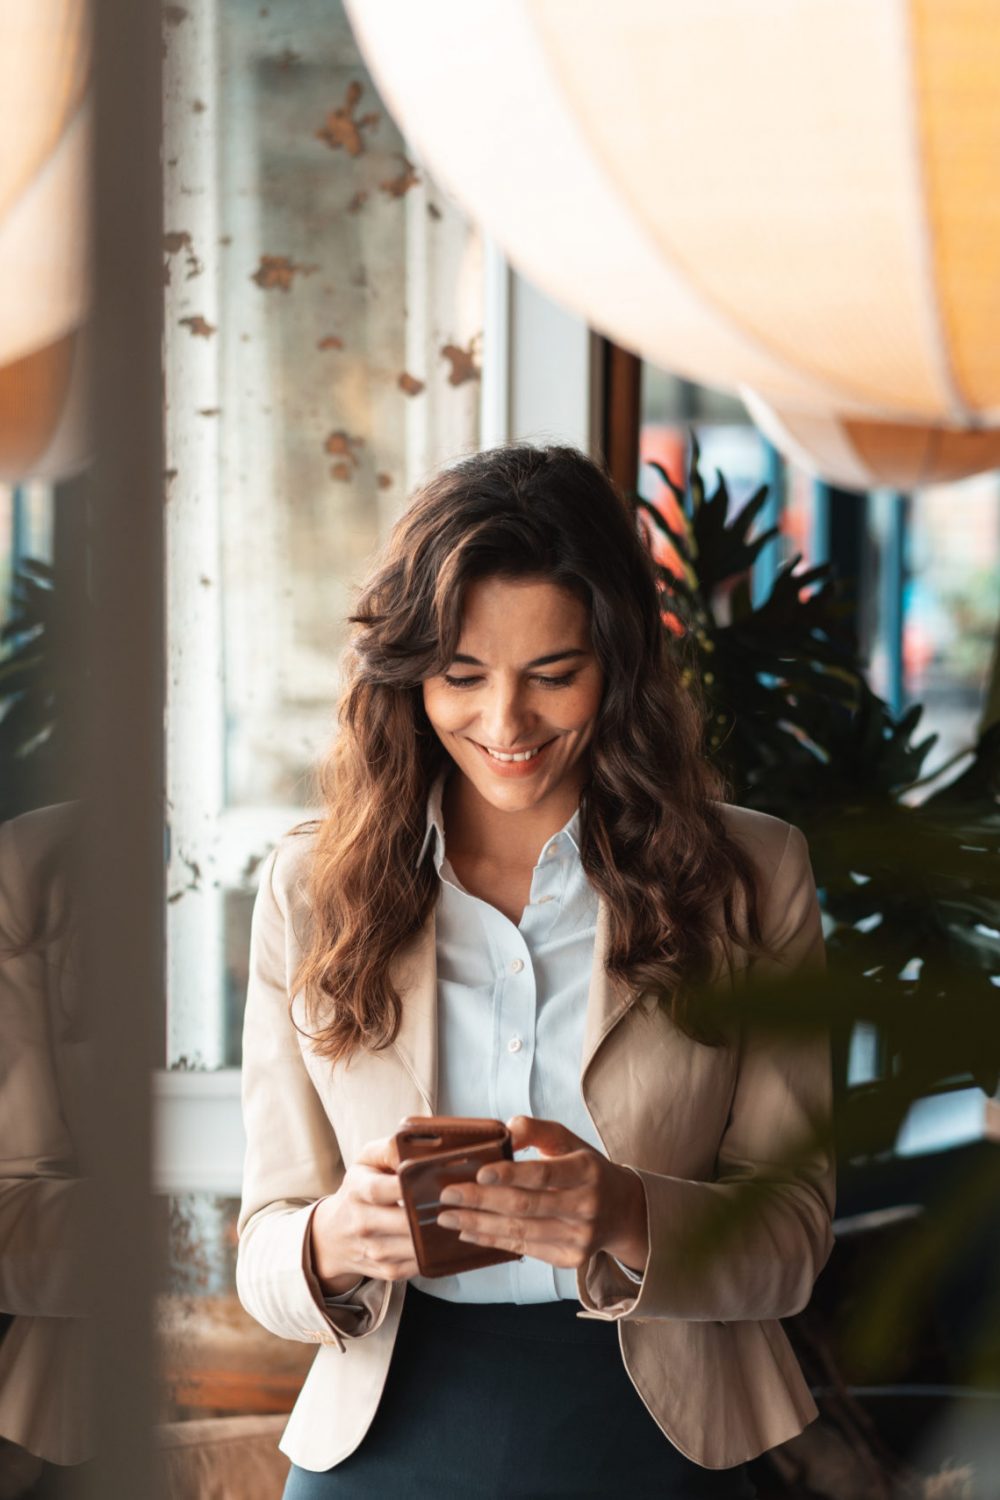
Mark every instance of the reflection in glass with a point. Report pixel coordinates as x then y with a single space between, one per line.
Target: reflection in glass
226 1384
47 1083
215 1360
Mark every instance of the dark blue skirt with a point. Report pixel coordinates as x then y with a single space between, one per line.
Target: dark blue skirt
498 1401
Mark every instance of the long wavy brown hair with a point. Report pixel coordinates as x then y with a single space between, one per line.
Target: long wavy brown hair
653 840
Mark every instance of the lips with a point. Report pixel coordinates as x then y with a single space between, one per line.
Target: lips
515 767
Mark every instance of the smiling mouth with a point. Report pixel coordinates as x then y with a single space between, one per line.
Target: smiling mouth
511 757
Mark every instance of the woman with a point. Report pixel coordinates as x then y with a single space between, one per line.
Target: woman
521 888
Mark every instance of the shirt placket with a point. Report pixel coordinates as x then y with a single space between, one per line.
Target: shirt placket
531 1279
514 1028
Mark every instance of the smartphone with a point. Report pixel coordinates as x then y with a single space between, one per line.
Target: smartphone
435 1151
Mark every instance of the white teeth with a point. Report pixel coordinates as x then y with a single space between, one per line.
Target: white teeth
523 755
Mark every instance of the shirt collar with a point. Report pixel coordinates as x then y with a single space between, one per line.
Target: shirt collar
569 834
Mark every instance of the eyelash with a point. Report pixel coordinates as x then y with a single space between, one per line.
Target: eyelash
549 682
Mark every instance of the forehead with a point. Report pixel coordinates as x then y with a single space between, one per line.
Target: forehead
518 618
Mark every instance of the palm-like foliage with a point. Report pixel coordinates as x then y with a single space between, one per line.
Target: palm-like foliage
763 669
910 891
40 682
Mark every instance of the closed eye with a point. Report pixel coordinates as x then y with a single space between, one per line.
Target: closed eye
548 682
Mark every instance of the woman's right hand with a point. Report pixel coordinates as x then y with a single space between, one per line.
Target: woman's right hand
362 1228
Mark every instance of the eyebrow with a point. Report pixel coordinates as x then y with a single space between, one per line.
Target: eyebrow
539 661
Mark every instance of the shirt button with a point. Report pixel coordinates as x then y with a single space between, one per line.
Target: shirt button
515 1044
516 965
543 899
552 851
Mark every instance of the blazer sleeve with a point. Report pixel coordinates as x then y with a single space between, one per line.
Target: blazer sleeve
292 1156
750 1243
45 1202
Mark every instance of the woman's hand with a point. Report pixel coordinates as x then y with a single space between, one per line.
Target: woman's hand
362 1228
562 1208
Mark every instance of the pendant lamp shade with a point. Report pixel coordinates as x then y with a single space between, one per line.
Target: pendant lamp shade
44 412
858 454
44 237
799 198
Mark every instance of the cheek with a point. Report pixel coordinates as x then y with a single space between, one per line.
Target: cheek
445 710
581 708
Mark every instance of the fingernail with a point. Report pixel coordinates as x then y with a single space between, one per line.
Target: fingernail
450 1195
448 1221
486 1175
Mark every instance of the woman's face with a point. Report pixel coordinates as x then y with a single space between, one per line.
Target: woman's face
524 680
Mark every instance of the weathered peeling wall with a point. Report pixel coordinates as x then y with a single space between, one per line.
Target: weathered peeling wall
323 347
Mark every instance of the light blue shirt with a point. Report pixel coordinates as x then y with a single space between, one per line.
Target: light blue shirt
512 1002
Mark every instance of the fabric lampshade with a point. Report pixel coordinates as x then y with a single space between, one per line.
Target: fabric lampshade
858 454
44 236
798 198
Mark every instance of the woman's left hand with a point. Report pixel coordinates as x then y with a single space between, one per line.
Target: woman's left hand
561 1208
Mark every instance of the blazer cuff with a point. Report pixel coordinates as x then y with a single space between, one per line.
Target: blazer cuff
351 1314
276 1283
605 1285
606 1288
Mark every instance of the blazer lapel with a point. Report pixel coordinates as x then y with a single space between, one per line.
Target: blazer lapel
414 976
607 1000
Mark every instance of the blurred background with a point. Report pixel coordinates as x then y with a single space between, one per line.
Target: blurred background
317 317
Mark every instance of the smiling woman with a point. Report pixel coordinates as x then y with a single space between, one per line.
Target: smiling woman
506 557
523 885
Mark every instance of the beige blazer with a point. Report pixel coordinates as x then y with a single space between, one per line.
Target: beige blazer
702 1344
47 1075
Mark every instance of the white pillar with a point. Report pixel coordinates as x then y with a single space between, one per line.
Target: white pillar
194 721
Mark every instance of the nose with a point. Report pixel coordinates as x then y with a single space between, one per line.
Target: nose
504 718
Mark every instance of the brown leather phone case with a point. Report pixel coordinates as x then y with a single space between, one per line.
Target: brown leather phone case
434 1151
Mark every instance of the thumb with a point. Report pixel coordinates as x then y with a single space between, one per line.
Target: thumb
551 1138
382 1154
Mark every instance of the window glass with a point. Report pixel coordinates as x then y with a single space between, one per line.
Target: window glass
670 409
26 524
798 515
214 1360
35 661
324 306
951 607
